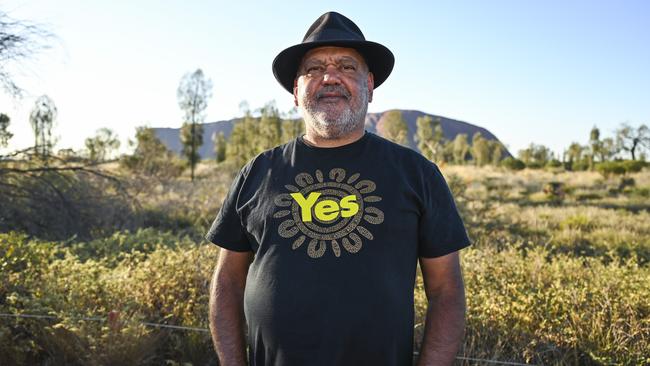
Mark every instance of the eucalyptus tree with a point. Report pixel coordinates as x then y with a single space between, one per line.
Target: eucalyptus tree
193 94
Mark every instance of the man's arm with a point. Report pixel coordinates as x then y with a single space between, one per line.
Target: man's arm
227 306
445 320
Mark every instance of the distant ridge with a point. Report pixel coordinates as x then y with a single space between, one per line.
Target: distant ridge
450 127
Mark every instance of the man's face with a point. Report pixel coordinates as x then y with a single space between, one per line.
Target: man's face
333 88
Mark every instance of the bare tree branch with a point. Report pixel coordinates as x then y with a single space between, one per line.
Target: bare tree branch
19 41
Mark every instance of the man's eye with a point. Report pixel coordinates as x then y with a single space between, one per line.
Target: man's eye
349 68
313 69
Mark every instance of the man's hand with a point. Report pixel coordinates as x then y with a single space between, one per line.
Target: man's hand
445 322
227 307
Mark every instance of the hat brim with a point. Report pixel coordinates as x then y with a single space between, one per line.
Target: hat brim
380 60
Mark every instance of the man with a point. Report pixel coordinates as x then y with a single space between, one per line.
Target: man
321 236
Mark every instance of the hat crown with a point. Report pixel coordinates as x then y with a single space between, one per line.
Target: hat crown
333 26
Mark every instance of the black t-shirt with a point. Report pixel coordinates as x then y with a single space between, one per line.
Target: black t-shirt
336 234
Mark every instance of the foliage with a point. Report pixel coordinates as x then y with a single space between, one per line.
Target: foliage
620 167
430 138
102 145
42 118
460 148
535 156
192 138
5 135
168 284
540 308
632 139
480 150
219 141
193 94
546 284
394 127
270 128
60 204
241 147
151 157
513 164
19 41
292 128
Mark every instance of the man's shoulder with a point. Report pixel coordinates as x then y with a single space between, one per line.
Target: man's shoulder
269 157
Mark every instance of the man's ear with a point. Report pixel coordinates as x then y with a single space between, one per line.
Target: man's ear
371 86
295 92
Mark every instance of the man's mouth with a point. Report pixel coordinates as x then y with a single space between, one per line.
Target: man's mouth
329 97
332 95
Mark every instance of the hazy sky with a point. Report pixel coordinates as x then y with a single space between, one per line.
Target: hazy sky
529 71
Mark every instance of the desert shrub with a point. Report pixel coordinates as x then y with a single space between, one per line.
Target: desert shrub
576 222
620 167
513 164
586 196
633 166
625 183
115 248
57 205
579 165
162 280
151 157
554 163
639 192
562 310
608 168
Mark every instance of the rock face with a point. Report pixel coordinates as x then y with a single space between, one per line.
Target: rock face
450 127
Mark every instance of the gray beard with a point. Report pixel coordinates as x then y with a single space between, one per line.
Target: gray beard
332 125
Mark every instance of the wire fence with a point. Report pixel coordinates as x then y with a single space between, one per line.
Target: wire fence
113 318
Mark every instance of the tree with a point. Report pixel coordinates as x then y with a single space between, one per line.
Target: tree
630 139
394 127
576 158
535 156
595 145
460 148
480 149
292 128
19 41
241 146
102 145
193 94
430 138
496 151
219 141
607 149
270 128
42 120
151 157
5 135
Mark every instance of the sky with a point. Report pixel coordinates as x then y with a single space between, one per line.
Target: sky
528 71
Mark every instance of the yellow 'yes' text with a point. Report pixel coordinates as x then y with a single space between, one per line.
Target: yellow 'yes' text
325 210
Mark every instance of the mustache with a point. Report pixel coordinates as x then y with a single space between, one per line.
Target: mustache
334 89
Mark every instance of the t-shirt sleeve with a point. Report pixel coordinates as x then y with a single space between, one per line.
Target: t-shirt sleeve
441 229
227 230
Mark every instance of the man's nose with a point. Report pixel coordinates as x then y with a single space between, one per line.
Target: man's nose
331 75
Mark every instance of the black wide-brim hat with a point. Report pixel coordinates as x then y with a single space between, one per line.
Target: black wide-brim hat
333 29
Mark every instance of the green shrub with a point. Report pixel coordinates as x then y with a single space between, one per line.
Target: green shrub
513 164
144 277
576 222
620 167
560 310
554 163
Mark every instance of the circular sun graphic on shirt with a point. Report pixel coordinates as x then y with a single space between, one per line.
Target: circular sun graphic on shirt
324 213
